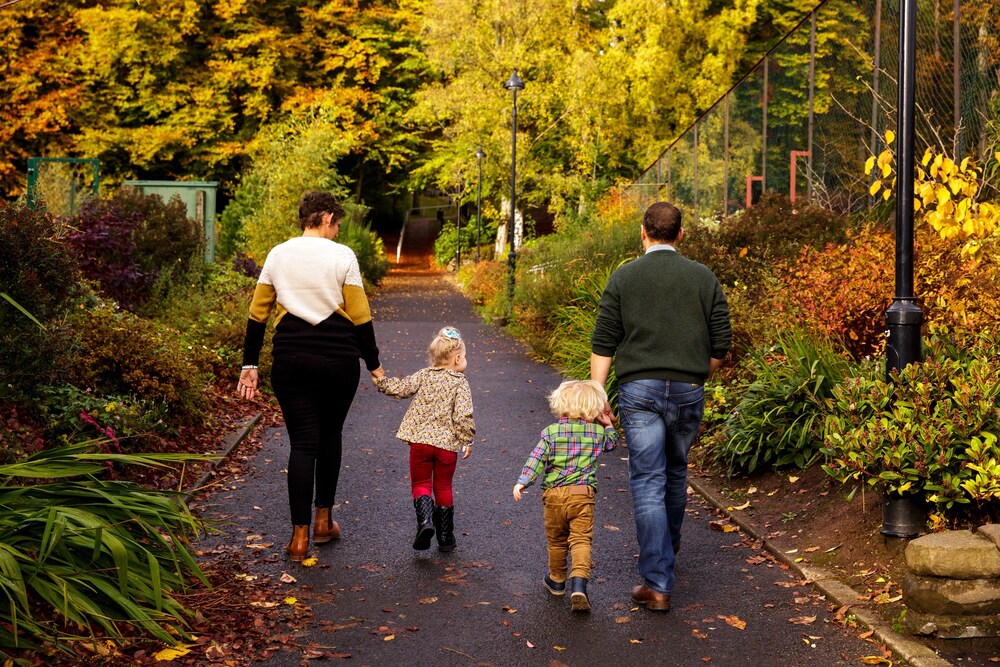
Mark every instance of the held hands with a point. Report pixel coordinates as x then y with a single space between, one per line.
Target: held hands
247 387
517 491
606 418
377 373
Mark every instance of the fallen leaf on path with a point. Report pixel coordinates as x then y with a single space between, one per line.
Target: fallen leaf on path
699 634
623 619
290 600
832 549
613 529
172 653
876 660
312 654
310 562
809 550
388 638
741 507
559 648
265 605
635 641
529 644
430 600
734 621
802 620
792 480
722 526
287 578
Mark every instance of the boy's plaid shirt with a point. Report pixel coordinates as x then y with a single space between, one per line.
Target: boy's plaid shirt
567 453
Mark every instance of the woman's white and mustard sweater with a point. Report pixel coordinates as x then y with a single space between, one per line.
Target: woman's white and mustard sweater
315 286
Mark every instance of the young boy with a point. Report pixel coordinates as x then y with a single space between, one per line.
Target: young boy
567 453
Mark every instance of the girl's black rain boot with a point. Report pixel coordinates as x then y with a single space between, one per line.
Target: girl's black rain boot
444 521
425 531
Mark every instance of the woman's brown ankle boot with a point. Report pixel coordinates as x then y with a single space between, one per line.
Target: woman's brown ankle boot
299 545
325 528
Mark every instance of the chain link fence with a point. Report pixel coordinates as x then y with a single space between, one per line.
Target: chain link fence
803 121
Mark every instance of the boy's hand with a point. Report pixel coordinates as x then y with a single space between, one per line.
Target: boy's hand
606 418
466 451
517 491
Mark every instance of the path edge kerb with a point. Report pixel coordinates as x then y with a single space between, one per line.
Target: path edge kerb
229 443
912 651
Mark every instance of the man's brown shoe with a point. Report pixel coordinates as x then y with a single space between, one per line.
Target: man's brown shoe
644 595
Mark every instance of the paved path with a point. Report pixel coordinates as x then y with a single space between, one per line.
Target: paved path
376 599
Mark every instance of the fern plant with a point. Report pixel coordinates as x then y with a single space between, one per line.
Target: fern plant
81 555
779 416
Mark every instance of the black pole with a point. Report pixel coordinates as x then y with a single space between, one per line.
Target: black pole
458 229
513 84
479 200
904 317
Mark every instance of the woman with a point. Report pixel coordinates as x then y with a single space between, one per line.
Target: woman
323 326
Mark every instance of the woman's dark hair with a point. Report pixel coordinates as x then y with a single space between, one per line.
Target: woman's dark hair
314 204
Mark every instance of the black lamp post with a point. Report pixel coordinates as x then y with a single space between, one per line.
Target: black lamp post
904 516
479 200
458 229
513 84
904 317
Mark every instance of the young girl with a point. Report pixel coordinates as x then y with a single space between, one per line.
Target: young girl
566 459
436 426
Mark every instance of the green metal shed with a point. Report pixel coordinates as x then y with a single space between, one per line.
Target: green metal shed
198 196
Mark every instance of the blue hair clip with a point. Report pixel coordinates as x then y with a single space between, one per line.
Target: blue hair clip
451 333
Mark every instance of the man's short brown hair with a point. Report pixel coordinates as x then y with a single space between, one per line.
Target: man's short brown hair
314 204
662 222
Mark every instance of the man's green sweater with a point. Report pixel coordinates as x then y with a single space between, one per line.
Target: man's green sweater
662 317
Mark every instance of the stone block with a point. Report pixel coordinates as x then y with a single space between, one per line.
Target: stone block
962 597
990 531
944 626
954 554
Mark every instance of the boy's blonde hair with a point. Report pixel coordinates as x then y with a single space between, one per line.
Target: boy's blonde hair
444 346
578 399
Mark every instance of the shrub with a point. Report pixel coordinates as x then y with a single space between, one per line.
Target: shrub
128 242
485 283
125 354
843 291
209 311
930 430
551 267
779 413
38 273
958 290
366 244
75 413
444 245
745 246
289 158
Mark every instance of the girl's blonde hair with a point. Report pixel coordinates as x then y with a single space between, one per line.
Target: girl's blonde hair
444 346
578 399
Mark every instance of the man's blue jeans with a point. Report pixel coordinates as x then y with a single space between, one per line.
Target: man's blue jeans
661 419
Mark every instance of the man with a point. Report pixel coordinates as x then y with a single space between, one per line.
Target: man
664 321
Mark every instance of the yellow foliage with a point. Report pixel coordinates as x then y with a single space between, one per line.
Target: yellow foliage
946 196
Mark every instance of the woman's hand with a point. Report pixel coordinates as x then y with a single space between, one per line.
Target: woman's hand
517 491
247 387
466 451
377 373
